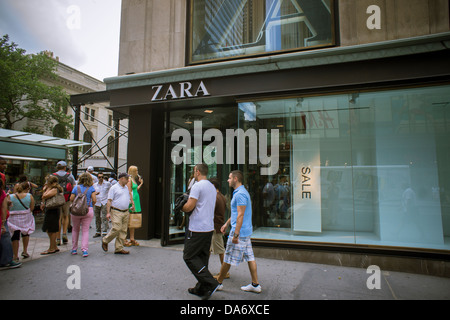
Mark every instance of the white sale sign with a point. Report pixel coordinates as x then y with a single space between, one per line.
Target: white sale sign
305 165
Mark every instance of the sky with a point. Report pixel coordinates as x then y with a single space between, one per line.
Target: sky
84 34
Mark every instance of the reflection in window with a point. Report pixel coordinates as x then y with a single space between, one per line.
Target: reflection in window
361 168
228 28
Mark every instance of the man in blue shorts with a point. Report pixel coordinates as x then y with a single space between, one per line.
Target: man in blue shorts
239 245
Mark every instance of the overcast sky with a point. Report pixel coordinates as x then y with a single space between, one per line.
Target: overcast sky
84 34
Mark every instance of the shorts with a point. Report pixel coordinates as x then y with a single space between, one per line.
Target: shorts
217 243
65 209
235 254
16 235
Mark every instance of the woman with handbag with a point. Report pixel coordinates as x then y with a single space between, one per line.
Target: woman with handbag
51 204
135 220
21 220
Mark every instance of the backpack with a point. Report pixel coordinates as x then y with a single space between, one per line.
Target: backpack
65 184
79 205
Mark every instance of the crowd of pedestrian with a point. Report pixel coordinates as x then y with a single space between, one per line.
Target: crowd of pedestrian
62 198
66 201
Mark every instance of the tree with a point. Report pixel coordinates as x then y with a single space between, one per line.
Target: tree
24 94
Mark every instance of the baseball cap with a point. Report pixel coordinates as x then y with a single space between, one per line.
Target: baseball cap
62 164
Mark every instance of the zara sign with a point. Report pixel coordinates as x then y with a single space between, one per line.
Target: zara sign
182 90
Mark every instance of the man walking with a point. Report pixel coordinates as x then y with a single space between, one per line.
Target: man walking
217 245
239 245
67 182
117 210
101 222
202 201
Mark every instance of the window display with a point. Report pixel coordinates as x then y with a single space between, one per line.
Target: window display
358 168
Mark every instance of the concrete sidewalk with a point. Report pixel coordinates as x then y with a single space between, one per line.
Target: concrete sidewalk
151 272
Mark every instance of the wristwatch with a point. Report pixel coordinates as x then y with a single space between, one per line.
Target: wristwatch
236 235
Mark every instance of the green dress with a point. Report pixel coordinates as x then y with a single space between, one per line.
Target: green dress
136 199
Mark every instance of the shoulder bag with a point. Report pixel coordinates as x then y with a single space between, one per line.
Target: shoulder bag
57 201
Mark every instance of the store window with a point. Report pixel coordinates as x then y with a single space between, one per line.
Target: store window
359 168
233 28
180 175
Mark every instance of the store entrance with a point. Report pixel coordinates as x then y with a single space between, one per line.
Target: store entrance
179 170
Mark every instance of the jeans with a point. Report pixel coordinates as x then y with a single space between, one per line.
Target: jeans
6 247
101 223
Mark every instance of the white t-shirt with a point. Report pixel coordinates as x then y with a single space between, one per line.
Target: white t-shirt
120 196
102 197
202 218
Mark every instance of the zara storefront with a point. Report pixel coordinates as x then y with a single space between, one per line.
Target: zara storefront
343 149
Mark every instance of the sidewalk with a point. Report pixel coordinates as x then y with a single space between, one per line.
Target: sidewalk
151 272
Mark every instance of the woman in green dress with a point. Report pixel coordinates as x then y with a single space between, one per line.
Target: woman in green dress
134 184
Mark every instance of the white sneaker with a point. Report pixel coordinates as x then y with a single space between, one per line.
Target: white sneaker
251 288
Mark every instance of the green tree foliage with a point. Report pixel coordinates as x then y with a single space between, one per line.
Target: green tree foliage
24 93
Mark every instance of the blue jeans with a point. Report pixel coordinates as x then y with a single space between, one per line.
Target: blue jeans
6 251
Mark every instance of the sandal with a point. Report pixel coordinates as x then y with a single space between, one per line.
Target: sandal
25 255
134 243
47 252
127 243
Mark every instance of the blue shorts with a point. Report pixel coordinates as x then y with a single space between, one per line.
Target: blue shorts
238 253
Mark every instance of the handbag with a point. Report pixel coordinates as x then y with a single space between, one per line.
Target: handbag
135 220
56 201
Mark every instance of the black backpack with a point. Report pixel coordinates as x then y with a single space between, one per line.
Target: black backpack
65 184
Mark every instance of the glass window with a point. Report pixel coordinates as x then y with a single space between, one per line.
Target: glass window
229 28
360 168
196 151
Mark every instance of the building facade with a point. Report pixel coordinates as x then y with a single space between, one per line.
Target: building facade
337 112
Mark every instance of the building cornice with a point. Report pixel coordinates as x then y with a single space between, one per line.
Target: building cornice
303 59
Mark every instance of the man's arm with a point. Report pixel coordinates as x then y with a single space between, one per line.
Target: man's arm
190 205
239 221
108 209
225 226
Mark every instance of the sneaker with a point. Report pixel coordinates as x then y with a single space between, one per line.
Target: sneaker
251 288
73 252
220 287
11 265
85 254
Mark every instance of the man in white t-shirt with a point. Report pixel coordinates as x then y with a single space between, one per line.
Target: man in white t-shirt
202 201
101 223
117 207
